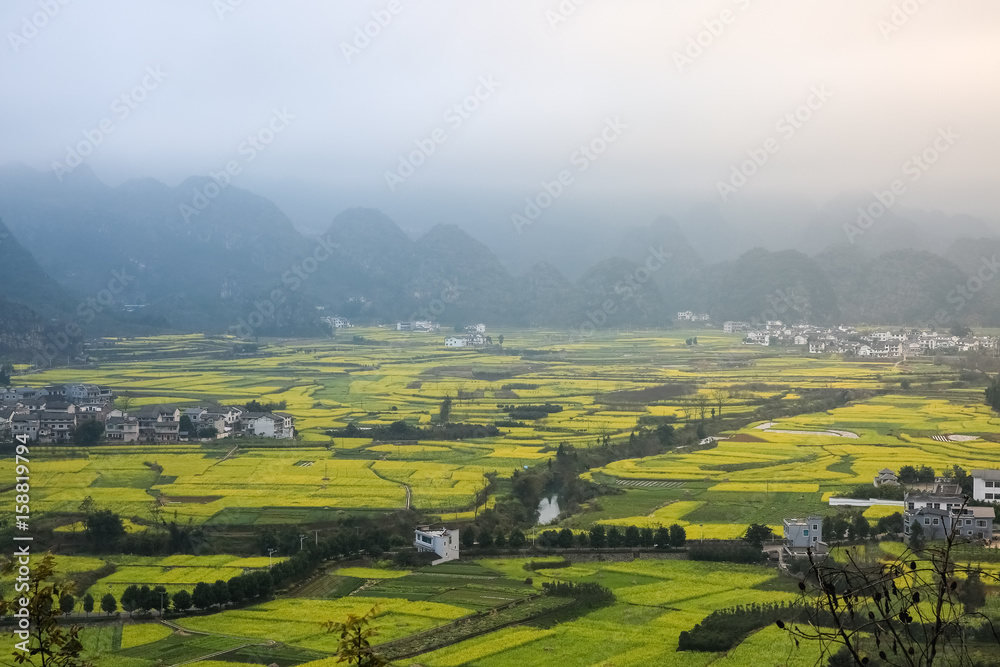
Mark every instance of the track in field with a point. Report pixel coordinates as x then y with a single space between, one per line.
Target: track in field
649 483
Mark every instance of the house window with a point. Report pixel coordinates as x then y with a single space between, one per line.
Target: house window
936 521
980 523
805 533
815 527
968 522
911 506
927 521
989 496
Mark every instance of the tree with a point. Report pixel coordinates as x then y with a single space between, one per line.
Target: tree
88 433
88 603
500 340
757 534
187 426
208 433
220 592
615 538
485 539
103 528
662 537
665 434
598 538
721 395
908 475
500 539
7 370
678 536
907 611
468 537
182 601
565 538
130 599
860 527
444 412
45 642
202 597
517 539
108 604
356 633
124 402
67 603
632 537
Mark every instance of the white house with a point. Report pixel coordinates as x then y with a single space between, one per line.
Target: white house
269 425
986 485
442 542
801 340
455 341
803 533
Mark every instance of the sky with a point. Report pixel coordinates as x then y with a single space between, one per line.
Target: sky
487 112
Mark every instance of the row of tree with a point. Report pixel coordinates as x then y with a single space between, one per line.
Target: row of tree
598 537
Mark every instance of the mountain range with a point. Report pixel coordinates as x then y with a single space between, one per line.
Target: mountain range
144 257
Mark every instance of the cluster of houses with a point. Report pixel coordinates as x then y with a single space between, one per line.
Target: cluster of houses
50 415
847 340
475 336
938 507
690 316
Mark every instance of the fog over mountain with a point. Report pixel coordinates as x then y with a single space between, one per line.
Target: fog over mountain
196 167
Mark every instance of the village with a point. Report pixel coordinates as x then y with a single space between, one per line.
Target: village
850 342
59 414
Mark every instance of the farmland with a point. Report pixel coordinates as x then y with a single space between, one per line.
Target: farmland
772 460
388 376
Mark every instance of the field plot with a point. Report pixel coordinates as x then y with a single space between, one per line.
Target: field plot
298 622
656 601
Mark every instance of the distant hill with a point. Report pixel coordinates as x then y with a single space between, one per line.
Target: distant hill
180 260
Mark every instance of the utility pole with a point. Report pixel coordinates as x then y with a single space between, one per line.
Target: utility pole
301 540
270 557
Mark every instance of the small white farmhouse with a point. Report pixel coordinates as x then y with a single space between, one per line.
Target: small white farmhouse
442 542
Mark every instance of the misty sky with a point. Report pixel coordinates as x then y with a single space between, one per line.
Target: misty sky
678 125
